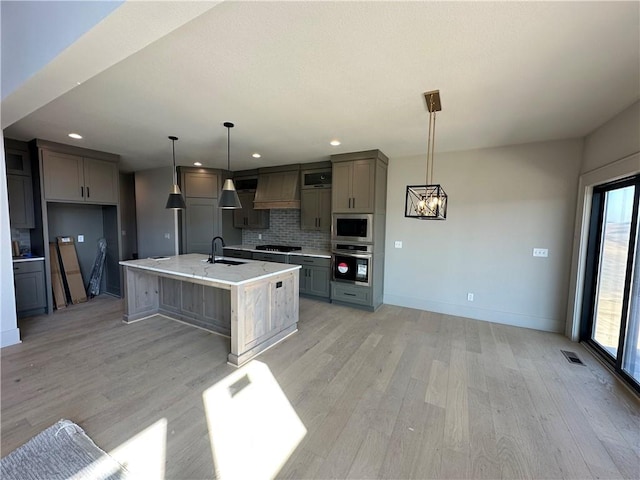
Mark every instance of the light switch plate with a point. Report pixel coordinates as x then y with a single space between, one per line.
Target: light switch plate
540 252
80 238
398 244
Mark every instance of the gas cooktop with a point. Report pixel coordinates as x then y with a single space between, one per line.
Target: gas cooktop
278 248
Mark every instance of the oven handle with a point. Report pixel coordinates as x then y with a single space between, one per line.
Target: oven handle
350 254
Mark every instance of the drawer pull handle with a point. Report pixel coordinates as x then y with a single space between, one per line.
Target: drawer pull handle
350 294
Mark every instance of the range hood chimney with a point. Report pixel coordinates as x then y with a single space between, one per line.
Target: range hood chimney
278 187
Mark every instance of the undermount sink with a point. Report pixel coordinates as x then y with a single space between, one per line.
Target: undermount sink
224 261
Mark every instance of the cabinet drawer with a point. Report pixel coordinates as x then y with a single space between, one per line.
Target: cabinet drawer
313 261
230 252
350 293
270 257
27 267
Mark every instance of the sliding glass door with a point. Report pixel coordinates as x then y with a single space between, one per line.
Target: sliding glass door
611 320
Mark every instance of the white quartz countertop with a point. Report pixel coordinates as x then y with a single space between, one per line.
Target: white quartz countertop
307 252
195 266
27 259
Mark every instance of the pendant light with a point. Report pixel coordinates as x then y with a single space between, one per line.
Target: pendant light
229 196
175 200
428 202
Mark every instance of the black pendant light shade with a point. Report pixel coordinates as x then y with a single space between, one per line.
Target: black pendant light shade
175 200
229 196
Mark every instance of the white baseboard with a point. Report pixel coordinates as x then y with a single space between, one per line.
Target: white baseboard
506 318
10 337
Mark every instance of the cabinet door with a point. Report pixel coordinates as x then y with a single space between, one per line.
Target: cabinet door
309 210
240 214
255 218
362 188
319 281
341 187
283 304
63 176
201 224
304 277
324 210
17 161
20 193
100 181
30 292
200 184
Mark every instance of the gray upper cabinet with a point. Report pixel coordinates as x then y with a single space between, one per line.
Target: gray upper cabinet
201 219
247 216
359 182
315 209
17 161
72 178
201 184
353 186
20 193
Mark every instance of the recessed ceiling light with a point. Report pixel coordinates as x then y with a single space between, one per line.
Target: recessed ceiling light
77 136
197 164
335 143
256 155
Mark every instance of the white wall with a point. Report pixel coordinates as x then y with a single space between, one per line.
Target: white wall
614 140
611 152
152 218
9 332
503 202
34 33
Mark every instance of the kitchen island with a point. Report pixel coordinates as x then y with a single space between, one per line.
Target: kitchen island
254 303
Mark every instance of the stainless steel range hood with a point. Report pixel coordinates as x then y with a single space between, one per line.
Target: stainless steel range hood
278 187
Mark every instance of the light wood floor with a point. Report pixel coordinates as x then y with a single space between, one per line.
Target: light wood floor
399 393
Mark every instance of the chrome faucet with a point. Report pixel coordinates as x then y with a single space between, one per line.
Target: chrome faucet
212 258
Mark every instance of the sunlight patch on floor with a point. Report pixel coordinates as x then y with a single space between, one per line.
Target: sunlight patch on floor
252 426
143 455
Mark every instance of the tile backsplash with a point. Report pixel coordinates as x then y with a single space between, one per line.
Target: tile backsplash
284 229
23 237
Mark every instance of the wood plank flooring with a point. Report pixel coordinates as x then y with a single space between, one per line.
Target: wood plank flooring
398 393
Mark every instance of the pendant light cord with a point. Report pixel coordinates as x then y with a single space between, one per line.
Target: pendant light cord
175 172
229 149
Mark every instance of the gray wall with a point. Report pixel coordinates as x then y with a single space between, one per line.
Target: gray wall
153 220
71 220
503 202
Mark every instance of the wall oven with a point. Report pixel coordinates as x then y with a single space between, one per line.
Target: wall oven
351 263
352 227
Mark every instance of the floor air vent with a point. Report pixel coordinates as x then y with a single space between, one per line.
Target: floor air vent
572 357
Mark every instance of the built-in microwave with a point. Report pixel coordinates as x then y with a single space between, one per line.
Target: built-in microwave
352 227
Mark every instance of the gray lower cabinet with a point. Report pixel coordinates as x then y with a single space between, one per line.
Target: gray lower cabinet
314 275
232 252
270 257
31 295
20 193
351 294
199 305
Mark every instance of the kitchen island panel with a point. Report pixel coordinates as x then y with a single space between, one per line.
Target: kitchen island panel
141 299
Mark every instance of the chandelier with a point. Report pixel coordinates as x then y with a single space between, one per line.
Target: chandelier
429 201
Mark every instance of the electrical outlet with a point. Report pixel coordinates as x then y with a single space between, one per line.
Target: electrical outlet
259 236
470 297
167 236
398 244
540 252
80 238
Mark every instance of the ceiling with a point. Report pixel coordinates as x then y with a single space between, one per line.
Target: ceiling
293 76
